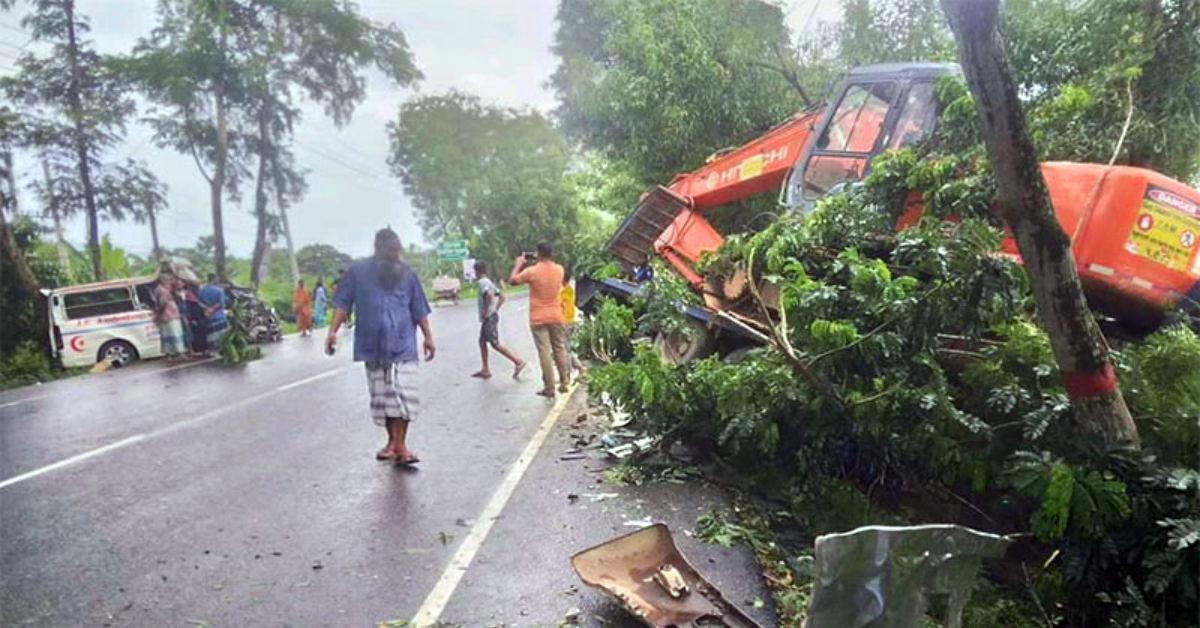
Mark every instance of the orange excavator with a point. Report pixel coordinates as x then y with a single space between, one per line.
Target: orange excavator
1134 232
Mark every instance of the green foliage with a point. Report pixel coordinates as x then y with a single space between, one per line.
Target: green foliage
1079 61
606 335
908 368
75 104
321 261
874 31
661 84
27 364
491 175
236 347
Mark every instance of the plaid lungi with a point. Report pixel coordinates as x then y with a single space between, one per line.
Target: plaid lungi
393 391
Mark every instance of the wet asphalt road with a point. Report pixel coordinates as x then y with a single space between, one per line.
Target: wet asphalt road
250 496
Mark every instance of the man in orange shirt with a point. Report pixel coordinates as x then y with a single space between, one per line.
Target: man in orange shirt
545 315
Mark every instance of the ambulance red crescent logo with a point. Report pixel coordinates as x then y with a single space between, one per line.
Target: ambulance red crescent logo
77 343
1145 222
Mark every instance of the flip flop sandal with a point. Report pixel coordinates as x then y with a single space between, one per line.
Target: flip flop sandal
407 462
546 393
384 454
517 372
481 375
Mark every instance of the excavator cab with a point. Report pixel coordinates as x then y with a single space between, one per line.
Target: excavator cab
877 108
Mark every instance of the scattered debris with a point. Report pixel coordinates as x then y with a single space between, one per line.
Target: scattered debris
573 457
462 523
572 497
317 566
642 523
393 623
445 538
599 497
675 595
218 586
574 616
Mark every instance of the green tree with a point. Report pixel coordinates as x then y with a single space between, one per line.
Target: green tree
1079 348
662 84
322 261
1086 65
318 51
76 105
878 31
492 175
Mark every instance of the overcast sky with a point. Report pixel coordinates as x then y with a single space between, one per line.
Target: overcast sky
496 49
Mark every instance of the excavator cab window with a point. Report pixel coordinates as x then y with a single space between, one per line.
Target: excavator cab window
917 116
871 114
846 144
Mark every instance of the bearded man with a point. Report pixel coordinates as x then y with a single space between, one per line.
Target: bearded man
391 305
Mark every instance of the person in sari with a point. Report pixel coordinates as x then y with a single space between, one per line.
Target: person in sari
302 306
319 303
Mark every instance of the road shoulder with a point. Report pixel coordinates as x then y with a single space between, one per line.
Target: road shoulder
522 575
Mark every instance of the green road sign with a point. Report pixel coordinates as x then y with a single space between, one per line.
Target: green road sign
452 250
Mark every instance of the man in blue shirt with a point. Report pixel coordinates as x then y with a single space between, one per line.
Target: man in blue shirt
391 305
212 297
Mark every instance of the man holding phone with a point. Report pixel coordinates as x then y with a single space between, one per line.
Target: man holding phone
545 314
391 306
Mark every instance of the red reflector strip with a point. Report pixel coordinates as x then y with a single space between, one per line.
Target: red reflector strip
1090 384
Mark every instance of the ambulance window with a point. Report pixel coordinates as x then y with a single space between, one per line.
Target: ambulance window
98 303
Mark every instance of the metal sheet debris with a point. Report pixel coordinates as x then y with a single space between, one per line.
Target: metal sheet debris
885 577
647 575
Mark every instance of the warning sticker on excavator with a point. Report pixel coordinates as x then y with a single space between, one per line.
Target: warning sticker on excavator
1162 232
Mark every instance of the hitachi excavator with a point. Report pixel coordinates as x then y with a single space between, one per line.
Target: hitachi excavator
1134 232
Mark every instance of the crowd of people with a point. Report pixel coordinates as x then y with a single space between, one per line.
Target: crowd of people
190 316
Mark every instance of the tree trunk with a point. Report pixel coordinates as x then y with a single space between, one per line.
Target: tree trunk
15 255
217 184
1079 349
82 148
283 218
154 235
64 258
260 200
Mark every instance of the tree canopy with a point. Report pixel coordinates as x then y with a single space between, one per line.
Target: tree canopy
660 85
492 175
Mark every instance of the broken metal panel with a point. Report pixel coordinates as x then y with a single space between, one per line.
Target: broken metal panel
884 577
647 574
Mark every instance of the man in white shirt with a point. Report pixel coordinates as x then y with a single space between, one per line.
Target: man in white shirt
490 301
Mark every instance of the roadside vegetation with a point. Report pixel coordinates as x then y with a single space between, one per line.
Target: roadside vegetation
907 379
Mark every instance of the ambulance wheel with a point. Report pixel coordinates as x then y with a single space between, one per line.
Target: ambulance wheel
118 353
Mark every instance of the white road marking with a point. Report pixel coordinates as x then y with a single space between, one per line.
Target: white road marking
431 609
72 460
21 401
309 380
161 432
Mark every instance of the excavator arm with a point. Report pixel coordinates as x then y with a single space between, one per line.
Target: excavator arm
668 220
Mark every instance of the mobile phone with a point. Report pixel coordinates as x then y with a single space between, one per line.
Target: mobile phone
529 257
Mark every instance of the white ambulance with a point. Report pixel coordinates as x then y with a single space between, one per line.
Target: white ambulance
109 321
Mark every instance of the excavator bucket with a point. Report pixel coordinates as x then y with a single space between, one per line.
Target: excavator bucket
634 239
647 574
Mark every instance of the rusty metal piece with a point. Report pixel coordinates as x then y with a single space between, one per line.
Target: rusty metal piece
647 575
669 578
